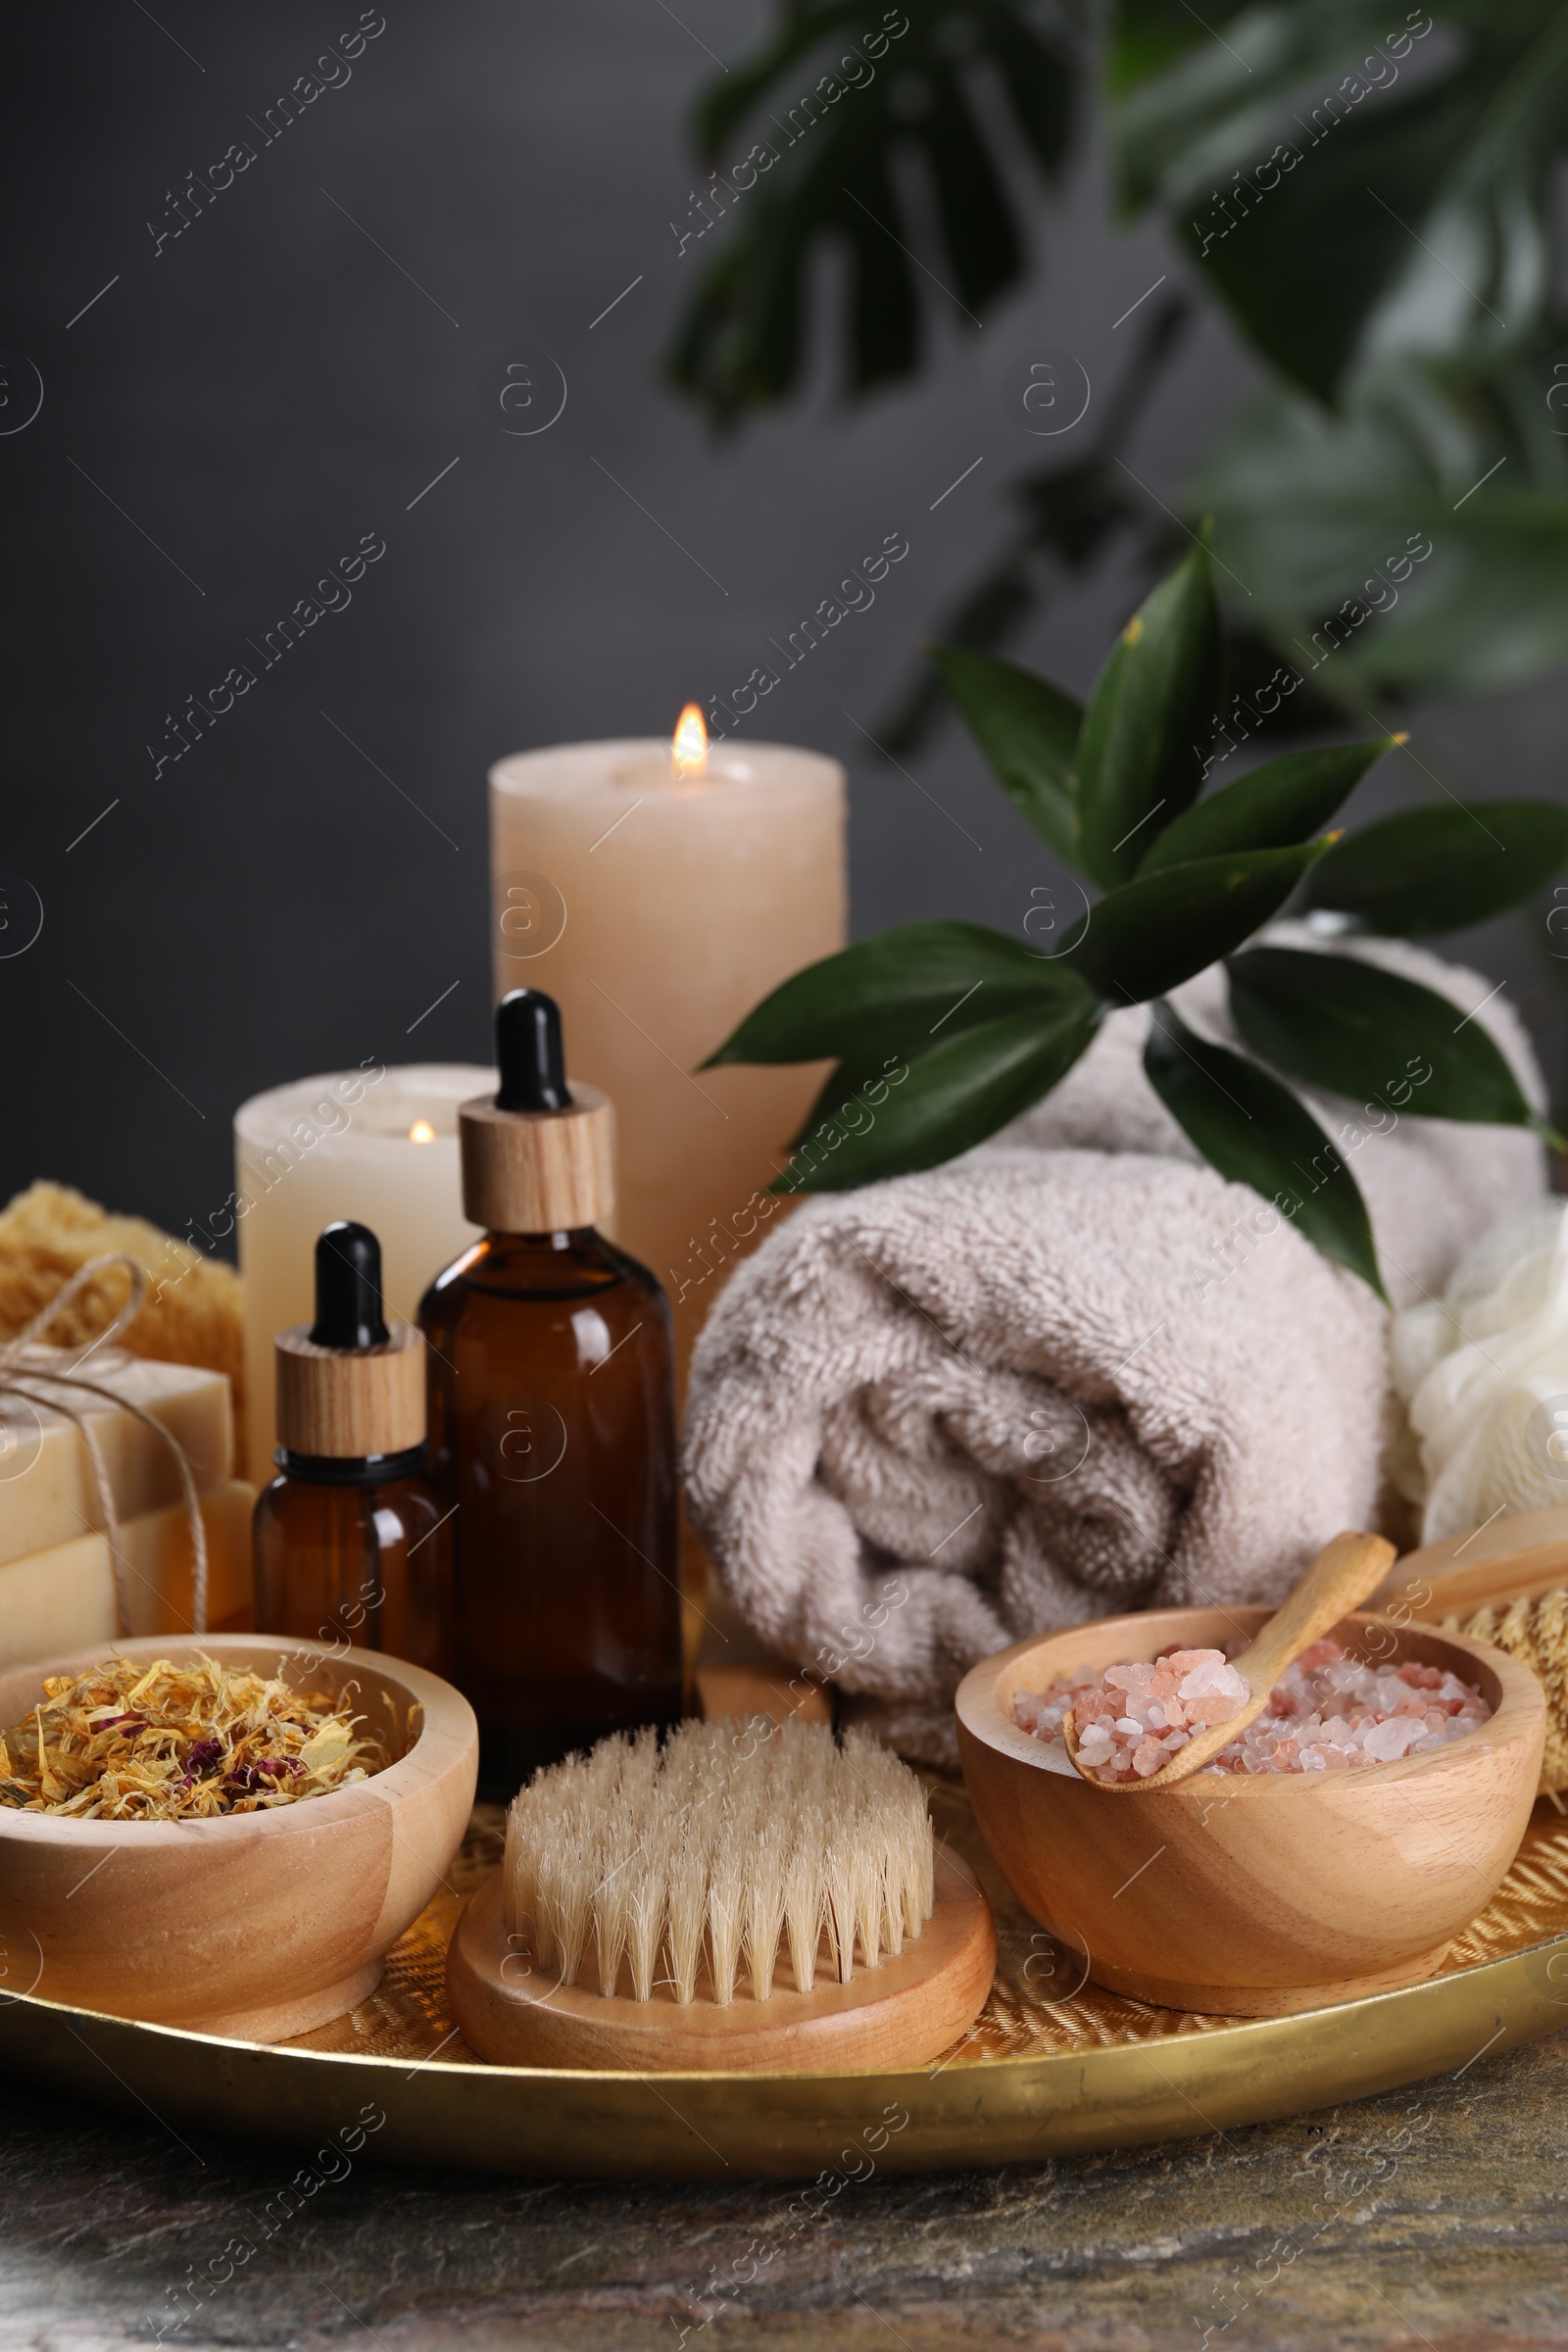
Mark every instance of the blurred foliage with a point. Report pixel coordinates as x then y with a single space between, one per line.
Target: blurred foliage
840 106
1369 198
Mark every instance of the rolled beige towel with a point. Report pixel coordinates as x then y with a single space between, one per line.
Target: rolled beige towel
1043 1384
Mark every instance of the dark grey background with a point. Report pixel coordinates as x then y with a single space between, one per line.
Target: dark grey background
274 383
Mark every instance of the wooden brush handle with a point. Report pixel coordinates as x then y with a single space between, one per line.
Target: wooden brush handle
1345 1574
1515 1558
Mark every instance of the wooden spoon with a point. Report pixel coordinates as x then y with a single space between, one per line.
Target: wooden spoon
1345 1573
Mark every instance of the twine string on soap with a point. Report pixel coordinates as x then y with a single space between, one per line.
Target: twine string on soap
27 1367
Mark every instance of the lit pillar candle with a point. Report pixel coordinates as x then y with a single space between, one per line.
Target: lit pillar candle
658 892
375 1145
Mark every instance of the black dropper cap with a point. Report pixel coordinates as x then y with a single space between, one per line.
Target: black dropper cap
348 1289
529 1054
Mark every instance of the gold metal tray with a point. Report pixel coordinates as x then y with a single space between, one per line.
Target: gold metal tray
1053 2066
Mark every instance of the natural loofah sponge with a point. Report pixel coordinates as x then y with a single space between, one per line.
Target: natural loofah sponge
1536 1633
192 1313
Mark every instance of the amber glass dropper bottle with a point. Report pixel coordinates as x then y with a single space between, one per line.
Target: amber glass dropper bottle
551 1426
349 1544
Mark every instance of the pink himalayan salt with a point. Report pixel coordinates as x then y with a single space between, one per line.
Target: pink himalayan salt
1327 1713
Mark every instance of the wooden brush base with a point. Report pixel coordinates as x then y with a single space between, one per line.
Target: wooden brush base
902 2013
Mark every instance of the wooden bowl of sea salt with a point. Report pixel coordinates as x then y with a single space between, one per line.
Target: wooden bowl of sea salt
1253 1895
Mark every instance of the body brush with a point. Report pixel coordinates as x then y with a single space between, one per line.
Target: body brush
752 1895
1505 1583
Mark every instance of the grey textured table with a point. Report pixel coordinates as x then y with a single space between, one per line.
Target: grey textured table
1436 2216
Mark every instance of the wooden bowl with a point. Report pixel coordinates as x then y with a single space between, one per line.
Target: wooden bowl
254 1925
1253 1895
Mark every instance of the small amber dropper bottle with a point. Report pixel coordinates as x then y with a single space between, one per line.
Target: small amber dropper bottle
349 1542
553 1426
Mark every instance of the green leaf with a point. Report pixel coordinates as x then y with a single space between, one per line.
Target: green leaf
1340 205
1151 935
1352 1028
1254 1131
897 993
951 1099
1040 86
1028 730
1150 723
803 139
1416 538
1187 106
740 343
1438 869
1356 192
1394 251
726 104
977 225
884 310
1273 807
723 105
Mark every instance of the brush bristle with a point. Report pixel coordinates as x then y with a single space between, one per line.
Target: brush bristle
738 1842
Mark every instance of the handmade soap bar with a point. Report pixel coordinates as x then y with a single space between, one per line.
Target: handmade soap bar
48 1495
156 1552
62 1600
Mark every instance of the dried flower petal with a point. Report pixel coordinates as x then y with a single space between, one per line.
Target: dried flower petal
124 1742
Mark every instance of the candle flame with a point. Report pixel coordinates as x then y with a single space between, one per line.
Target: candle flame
688 751
421 1132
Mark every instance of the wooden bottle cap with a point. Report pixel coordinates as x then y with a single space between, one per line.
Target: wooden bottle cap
347 1403
538 1171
